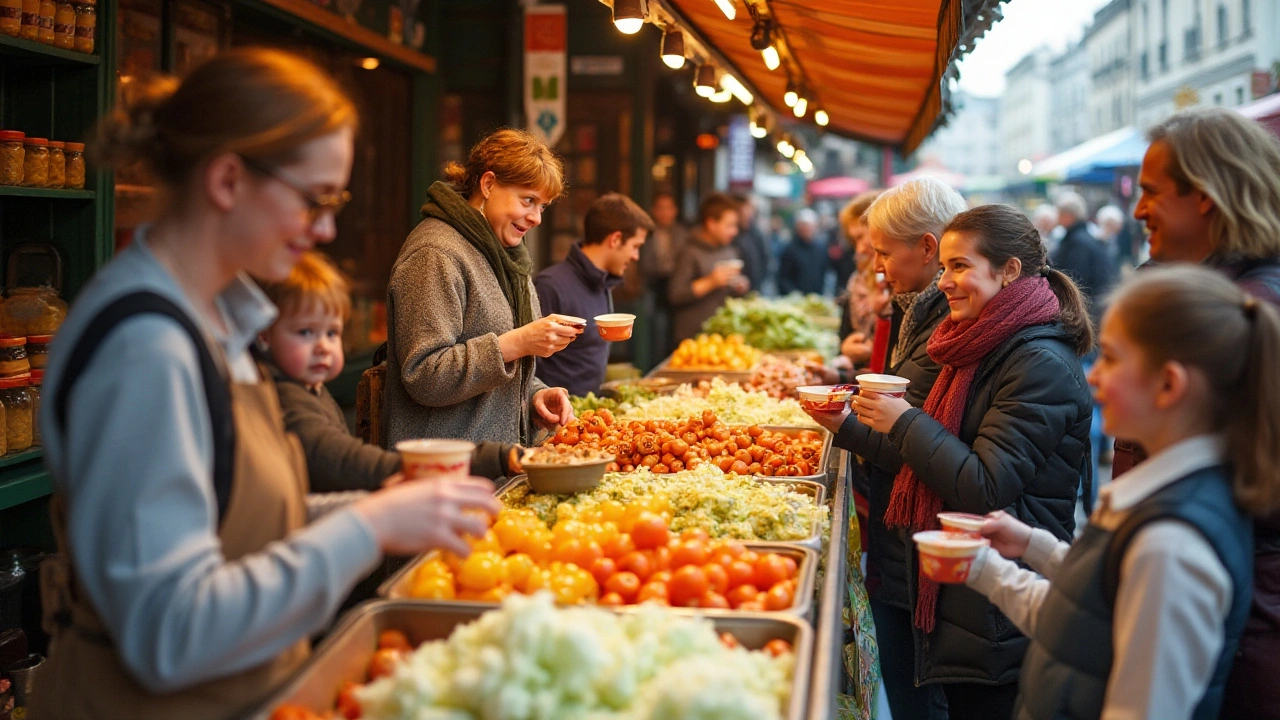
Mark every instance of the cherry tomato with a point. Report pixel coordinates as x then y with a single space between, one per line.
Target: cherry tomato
777 647
792 567
770 570
751 606
749 557
729 641
742 594
662 576
713 600
739 468
383 663
687 585
602 569
778 598
660 557
434 587
582 553
717 576
696 533
481 571
618 546
347 705
636 562
650 531
393 640
689 552
741 573
654 592
611 600
625 584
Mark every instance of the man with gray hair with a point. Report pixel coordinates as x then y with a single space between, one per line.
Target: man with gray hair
1080 255
804 264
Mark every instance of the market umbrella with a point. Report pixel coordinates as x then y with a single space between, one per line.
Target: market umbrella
838 187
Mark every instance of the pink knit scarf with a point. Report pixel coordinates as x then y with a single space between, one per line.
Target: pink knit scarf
960 347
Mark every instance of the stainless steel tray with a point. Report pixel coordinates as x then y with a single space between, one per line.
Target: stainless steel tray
815 489
824 455
664 370
397 586
344 655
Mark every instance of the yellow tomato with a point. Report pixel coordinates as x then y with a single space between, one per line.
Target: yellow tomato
518 567
433 587
481 571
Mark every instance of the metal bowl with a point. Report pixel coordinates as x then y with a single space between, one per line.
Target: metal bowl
561 479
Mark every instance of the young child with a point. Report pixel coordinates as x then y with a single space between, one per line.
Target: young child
1141 616
305 348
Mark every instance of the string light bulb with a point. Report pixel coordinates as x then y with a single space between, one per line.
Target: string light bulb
820 116
791 96
704 83
721 96
762 40
728 8
673 49
628 16
801 107
737 89
771 59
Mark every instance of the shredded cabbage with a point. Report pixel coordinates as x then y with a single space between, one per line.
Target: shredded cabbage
732 404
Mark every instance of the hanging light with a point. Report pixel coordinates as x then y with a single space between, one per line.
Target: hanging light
673 49
721 96
803 162
762 40
737 89
791 95
786 148
728 8
771 59
758 130
628 16
705 82
820 116
800 107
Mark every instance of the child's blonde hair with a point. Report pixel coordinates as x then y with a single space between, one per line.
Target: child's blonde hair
1196 317
314 282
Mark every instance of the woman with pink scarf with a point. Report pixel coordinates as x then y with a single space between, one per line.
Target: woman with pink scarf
1005 427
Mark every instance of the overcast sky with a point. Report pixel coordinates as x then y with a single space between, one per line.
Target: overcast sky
1027 24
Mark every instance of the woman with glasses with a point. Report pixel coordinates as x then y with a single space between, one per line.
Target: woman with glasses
189 580
463 322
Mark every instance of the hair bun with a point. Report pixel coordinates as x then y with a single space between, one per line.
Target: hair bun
131 132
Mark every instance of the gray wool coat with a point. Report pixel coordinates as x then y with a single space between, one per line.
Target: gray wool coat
445 374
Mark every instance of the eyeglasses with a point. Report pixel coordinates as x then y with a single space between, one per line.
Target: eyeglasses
317 205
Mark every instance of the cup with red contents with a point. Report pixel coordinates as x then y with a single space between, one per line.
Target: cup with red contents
963 523
576 323
825 398
433 459
891 385
947 557
615 327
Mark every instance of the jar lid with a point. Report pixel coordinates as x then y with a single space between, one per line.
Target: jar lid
39 339
11 135
56 144
35 141
75 147
6 342
16 381
37 377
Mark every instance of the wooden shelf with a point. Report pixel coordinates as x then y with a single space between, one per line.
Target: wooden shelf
30 49
50 193
351 31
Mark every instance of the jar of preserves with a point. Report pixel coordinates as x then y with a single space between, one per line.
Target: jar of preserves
57 164
48 8
32 311
86 25
19 419
12 157
75 165
64 25
37 383
30 28
35 162
38 350
13 357
11 17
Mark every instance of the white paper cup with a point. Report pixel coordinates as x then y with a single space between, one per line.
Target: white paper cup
966 524
891 385
947 557
576 323
732 264
615 327
435 458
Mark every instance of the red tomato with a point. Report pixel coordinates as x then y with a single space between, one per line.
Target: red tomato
619 545
792 567
733 547
636 562
777 647
713 600
750 557
650 531
689 552
393 640
742 594
751 606
741 573
611 600
662 576
654 592
625 584
661 557
293 712
695 534
770 570
582 553
718 577
778 598
383 663
347 705
603 569
687 585
729 641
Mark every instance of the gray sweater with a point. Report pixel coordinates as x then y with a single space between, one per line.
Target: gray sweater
445 374
696 260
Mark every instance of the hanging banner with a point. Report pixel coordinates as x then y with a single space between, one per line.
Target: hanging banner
545 77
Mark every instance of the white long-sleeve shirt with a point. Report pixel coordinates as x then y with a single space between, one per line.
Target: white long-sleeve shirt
141 520
1171 606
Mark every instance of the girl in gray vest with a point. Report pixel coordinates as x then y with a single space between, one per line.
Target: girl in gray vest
1141 617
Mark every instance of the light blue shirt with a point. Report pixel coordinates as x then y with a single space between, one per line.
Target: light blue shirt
135 470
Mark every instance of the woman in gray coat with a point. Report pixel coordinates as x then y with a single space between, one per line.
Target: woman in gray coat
463 320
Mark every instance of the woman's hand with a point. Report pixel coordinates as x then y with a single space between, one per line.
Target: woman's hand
1009 536
408 518
825 375
831 421
879 412
856 348
552 407
543 337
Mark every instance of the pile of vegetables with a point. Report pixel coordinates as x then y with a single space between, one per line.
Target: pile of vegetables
779 377
770 325
715 352
731 403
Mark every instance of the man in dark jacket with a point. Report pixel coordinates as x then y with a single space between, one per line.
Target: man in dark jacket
614 230
804 264
708 269
751 245
1227 217
904 226
1081 256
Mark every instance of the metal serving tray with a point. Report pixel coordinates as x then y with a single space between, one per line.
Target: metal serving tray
397 587
664 370
817 490
344 655
824 455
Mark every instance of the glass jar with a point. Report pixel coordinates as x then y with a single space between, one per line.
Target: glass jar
30 28
48 8
13 357
11 17
57 164
75 165
64 25
12 157
37 383
19 418
86 26
32 311
35 163
38 350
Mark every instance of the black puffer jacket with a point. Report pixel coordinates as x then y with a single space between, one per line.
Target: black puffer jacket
1023 448
886 548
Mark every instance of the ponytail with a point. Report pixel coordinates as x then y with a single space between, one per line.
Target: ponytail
1254 427
1075 311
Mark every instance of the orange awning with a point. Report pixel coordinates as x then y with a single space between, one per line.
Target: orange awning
876 67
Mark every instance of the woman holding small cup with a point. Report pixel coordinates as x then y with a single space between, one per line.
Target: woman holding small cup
1005 427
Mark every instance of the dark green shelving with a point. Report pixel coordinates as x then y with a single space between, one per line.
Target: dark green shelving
35 51
49 193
